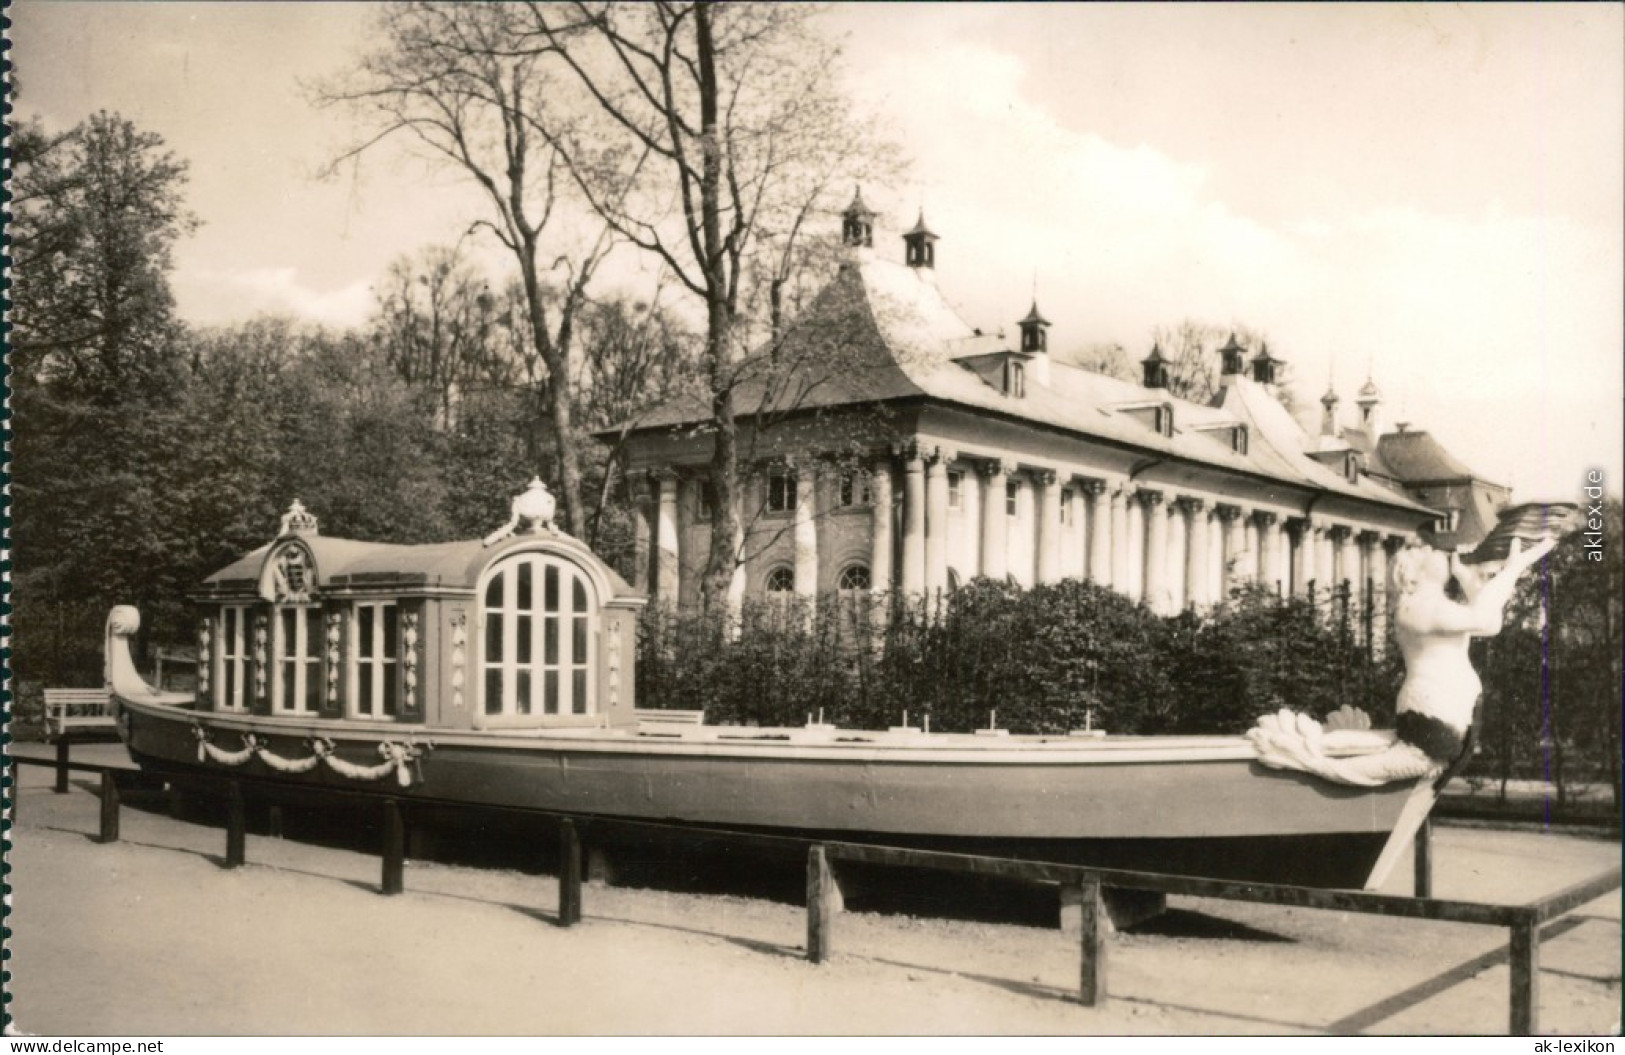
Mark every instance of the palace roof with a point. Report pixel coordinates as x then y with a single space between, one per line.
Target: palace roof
880 332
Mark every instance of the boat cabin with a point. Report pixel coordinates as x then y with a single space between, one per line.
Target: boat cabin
526 628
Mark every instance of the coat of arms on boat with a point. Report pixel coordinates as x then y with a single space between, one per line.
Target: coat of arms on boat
326 660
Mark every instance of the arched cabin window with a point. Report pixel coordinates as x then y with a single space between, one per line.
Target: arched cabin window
540 617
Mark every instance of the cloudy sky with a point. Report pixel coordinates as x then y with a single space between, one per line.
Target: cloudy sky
1433 192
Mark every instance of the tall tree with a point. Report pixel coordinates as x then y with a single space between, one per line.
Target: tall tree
96 356
727 117
448 77
95 215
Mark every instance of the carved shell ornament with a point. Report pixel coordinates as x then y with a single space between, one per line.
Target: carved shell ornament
532 511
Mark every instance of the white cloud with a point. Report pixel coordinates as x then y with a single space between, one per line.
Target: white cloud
1482 323
217 297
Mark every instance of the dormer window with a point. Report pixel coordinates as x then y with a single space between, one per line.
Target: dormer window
1238 439
1351 467
1158 417
1015 379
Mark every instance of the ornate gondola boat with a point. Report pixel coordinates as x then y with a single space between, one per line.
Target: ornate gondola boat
500 672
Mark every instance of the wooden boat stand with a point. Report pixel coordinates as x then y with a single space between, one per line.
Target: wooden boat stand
1524 921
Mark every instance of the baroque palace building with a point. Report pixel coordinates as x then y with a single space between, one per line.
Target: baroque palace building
886 444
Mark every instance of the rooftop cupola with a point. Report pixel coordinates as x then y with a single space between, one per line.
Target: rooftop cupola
858 223
919 245
1156 368
1232 360
1328 414
1370 404
1034 331
1265 366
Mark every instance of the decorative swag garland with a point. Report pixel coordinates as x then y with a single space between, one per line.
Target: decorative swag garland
398 757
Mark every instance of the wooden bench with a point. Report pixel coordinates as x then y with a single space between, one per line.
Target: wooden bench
72 712
662 721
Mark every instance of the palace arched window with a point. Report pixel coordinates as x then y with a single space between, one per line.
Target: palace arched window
781 580
854 579
540 615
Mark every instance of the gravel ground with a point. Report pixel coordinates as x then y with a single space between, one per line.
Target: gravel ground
152 936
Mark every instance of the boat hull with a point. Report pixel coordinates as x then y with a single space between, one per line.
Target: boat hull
1196 806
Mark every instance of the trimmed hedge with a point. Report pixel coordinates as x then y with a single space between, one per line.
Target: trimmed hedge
1048 659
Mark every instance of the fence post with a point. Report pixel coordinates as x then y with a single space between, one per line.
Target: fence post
1092 969
394 872
62 764
236 825
1423 848
569 874
1525 963
820 904
109 807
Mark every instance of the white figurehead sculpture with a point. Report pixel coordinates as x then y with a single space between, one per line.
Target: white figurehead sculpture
1436 701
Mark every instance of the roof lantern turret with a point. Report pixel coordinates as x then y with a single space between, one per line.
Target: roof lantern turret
858 223
920 245
1232 357
1370 402
1264 365
1328 417
1034 331
1155 366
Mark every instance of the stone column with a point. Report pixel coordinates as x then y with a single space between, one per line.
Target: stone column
1269 550
1335 561
1390 548
1368 588
1305 555
1134 543
936 521
1350 569
995 522
1156 592
1099 566
1118 558
642 528
880 531
1196 551
1175 557
913 522
1049 525
666 553
804 533
1232 543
